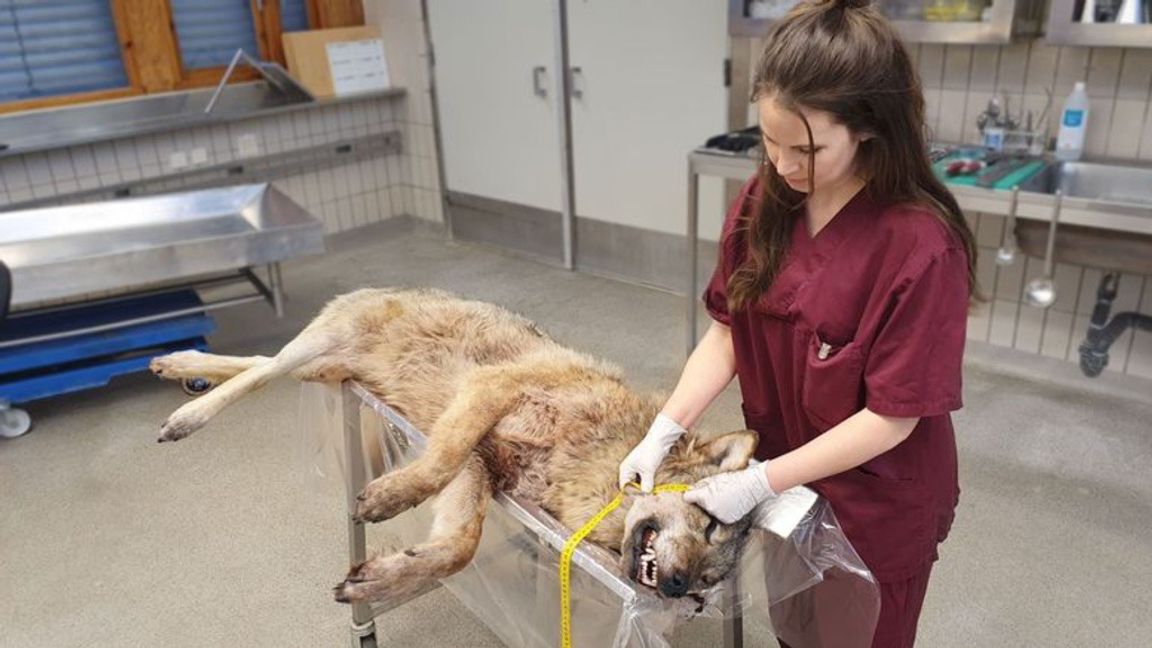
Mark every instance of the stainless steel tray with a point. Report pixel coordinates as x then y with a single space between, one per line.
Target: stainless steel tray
67 252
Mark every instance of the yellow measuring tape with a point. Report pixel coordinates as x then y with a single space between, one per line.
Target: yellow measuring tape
570 548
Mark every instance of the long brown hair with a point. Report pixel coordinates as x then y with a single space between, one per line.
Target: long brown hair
842 57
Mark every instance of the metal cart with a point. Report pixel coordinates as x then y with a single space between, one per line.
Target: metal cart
153 255
512 526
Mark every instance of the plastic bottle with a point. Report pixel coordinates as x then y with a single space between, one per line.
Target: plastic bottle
1073 123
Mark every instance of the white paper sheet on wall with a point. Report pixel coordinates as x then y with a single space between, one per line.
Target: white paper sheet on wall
358 66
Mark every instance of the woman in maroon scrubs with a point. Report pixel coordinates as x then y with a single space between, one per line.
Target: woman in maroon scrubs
840 300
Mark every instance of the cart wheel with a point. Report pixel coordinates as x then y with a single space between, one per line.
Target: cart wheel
14 422
196 386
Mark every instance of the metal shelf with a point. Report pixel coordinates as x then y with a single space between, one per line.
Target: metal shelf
1063 30
1006 19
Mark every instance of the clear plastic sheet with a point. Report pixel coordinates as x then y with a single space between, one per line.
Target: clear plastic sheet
795 562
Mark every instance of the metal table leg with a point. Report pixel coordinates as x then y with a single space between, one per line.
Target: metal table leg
733 625
276 284
693 260
363 628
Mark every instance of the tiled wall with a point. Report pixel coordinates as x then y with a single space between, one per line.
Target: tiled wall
958 80
406 48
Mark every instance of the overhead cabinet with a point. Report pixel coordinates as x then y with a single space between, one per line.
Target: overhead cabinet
974 22
1121 24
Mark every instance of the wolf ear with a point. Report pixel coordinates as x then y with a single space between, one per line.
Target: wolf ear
731 451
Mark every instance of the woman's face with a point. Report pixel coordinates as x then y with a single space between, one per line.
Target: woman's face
787 146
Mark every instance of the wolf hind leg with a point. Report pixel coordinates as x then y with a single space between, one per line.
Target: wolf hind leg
309 345
451 544
197 364
482 399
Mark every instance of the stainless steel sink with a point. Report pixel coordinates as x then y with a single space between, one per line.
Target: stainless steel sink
1128 185
1098 195
47 129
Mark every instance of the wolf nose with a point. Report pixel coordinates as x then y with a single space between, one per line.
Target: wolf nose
675 585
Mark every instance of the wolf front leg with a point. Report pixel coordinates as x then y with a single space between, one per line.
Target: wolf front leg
452 542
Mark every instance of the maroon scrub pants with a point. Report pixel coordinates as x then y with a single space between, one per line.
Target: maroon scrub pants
822 618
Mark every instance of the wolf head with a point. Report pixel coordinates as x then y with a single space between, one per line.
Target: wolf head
676 547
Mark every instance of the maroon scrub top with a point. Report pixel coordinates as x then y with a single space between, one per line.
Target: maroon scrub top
871 312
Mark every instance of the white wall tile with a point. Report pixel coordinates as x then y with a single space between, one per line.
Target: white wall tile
957 67
950 122
1041 69
976 103
1104 71
1146 139
1099 121
1030 327
1135 74
1010 280
985 65
979 318
1089 282
39 171
1056 335
14 173
1013 67
1129 120
1004 314
146 151
1074 64
60 164
989 231
1139 360
126 157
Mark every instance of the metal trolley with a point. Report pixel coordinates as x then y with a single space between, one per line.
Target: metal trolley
515 532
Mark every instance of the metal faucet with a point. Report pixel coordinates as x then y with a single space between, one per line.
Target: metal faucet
253 63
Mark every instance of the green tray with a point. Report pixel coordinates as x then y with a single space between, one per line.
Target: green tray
1019 176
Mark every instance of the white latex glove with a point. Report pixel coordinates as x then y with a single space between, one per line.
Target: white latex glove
730 496
647 456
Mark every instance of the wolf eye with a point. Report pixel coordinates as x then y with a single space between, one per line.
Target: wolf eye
712 524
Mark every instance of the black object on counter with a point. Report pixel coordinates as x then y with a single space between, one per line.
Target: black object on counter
736 141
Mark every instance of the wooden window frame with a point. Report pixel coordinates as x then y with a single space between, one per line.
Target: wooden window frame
150 48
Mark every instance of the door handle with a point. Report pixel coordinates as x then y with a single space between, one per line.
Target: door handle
577 81
539 74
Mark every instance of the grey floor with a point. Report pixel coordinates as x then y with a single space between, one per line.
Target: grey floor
109 539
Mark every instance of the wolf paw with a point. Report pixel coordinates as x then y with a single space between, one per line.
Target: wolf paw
181 364
356 587
183 422
384 578
387 497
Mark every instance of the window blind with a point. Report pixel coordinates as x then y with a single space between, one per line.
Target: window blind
58 47
293 15
210 31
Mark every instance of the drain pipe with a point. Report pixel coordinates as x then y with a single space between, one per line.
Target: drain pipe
1102 333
